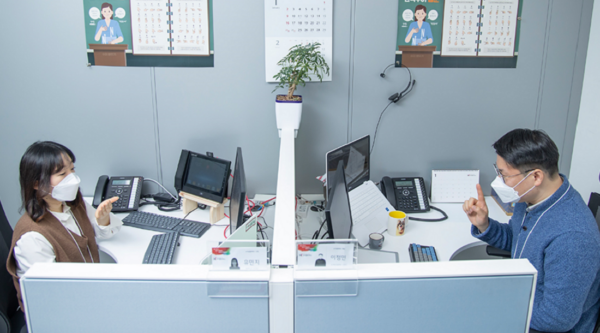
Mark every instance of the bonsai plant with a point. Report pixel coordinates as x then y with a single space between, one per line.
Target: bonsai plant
298 65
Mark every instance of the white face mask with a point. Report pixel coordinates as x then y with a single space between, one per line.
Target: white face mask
67 189
506 193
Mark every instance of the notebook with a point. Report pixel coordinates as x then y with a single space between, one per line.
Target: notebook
370 210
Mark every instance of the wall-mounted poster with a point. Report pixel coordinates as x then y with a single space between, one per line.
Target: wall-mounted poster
459 33
420 23
153 33
498 28
170 27
480 28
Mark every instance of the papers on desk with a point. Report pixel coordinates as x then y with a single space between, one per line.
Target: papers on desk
370 209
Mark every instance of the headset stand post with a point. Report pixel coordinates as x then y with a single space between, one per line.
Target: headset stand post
190 202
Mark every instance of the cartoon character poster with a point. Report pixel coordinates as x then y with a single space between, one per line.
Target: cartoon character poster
156 33
420 23
107 22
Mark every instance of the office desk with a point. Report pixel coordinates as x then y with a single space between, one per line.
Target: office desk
445 296
188 296
132 297
448 237
130 244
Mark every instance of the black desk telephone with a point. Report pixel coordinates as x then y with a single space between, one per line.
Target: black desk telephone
128 189
406 193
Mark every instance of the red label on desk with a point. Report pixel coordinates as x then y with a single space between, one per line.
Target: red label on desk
220 250
307 247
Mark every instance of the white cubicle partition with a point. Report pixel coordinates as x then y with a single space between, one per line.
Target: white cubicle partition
69 297
281 301
467 296
284 253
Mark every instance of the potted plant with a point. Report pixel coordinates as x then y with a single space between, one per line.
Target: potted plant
299 64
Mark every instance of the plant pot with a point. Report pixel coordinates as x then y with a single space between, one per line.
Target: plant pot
288 115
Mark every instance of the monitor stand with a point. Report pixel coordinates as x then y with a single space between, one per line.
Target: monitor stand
190 202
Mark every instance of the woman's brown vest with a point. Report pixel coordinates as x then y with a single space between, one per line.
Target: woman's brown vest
55 232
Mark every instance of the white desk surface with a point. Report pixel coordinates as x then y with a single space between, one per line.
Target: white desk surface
130 244
447 236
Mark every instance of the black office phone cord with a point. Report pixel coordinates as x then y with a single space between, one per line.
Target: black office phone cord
432 220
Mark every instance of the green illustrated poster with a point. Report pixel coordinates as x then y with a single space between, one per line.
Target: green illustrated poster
420 22
149 33
107 22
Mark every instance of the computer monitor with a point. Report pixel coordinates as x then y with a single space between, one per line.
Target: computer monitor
337 211
201 175
238 194
355 155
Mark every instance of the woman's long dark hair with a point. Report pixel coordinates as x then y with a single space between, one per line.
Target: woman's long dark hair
40 161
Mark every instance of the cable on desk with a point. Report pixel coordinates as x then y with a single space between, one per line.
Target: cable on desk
431 220
159 184
318 232
265 222
273 198
261 230
163 206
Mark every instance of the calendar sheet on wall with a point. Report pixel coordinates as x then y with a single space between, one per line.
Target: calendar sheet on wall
293 22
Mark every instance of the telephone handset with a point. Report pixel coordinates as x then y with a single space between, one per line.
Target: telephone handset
406 193
128 189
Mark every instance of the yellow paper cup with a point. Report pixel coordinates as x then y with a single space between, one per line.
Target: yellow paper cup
397 223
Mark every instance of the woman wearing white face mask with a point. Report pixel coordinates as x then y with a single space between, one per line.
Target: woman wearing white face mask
58 225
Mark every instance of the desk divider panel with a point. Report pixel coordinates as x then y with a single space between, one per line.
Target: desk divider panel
469 304
178 301
459 296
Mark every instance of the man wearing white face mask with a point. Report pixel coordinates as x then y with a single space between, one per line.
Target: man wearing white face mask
58 225
551 226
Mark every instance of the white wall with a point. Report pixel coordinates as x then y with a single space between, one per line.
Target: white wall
585 164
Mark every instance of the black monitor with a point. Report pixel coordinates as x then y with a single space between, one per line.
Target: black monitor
238 194
201 175
355 156
337 211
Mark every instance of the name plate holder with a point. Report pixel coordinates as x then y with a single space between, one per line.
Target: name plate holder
239 268
326 268
190 202
240 255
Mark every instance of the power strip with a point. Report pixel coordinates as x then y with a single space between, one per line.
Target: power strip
302 210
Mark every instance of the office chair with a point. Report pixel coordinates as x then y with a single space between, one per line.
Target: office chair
12 320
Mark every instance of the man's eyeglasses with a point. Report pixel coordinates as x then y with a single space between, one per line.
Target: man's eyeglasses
504 177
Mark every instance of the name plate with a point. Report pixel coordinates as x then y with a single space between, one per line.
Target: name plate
316 255
239 258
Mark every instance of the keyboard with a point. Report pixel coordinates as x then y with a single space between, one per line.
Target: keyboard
151 221
420 253
161 248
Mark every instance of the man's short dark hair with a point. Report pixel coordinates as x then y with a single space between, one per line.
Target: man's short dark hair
526 149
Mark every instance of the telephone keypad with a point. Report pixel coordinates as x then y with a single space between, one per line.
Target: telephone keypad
127 201
411 198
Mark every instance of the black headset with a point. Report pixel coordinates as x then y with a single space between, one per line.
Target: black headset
397 96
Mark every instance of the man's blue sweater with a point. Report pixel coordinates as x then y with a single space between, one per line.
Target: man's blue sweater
560 238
